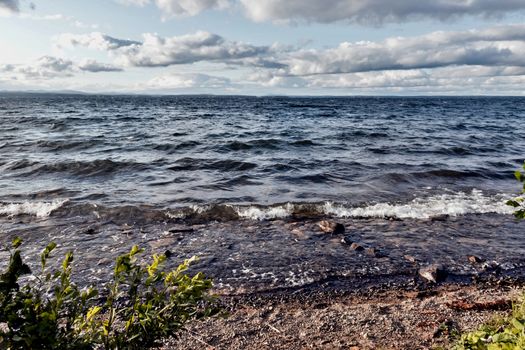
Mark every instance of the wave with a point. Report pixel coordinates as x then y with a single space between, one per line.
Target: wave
455 204
38 209
424 208
96 167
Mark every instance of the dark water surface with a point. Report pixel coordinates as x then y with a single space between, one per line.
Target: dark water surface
244 179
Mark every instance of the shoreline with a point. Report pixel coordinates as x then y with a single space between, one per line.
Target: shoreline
428 317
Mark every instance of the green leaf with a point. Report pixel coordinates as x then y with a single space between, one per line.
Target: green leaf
17 242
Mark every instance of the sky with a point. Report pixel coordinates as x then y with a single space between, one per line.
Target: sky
264 47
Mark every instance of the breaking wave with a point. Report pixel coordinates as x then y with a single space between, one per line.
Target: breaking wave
38 209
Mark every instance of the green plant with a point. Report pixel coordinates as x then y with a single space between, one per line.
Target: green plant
506 334
141 305
519 202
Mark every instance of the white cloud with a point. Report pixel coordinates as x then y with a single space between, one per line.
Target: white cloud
186 81
172 8
498 46
9 6
368 12
95 40
374 11
157 51
96 67
178 8
49 67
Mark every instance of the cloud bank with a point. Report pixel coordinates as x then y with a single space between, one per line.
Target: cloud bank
49 67
10 5
157 51
437 61
497 46
375 11
367 12
178 8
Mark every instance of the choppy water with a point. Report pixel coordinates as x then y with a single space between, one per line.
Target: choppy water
71 161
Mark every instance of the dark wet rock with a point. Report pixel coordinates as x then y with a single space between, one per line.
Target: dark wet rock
104 261
491 266
433 273
473 259
168 253
346 240
334 228
443 217
374 252
90 231
181 230
410 258
357 247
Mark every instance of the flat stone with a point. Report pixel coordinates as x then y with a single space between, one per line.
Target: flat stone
331 227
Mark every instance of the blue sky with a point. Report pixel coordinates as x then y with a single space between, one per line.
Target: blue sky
297 47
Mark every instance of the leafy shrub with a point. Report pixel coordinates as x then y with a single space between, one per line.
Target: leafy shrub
519 203
141 305
508 334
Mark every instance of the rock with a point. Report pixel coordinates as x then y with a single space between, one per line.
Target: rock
491 266
334 228
104 261
434 273
346 240
181 230
443 217
475 259
90 231
376 253
410 258
168 254
357 247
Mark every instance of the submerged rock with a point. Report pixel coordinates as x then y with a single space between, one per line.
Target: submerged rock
334 228
433 273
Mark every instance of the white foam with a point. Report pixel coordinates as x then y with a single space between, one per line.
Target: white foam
455 204
38 209
257 213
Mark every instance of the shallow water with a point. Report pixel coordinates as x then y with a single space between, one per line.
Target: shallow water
246 179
